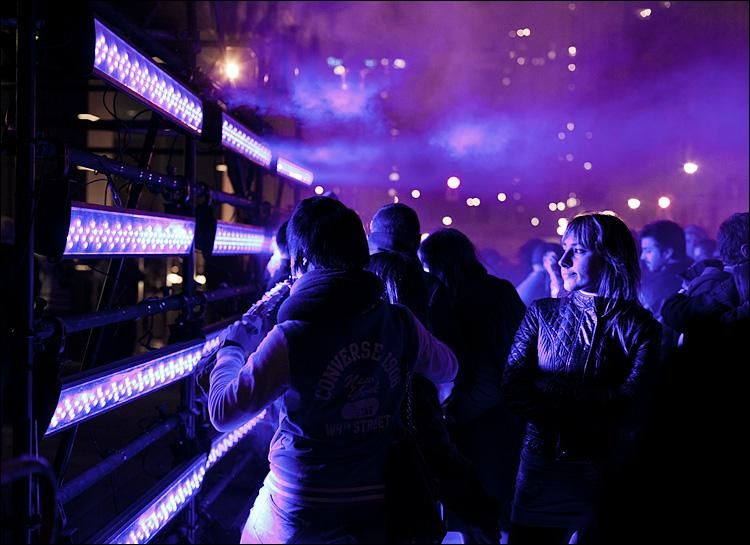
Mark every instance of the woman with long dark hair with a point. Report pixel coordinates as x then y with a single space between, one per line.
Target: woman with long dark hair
576 370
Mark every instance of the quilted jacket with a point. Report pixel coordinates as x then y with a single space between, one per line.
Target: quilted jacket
574 370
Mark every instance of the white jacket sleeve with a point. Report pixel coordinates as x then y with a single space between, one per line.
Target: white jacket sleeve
435 360
241 389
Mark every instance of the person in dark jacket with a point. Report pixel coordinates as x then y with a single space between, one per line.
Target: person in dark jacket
487 312
577 366
336 361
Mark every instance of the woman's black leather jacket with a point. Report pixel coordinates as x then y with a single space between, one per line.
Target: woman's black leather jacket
574 370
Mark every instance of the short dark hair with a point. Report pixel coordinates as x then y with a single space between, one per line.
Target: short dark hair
733 233
667 234
451 256
328 235
401 223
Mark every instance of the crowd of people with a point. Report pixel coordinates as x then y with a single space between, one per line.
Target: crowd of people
574 406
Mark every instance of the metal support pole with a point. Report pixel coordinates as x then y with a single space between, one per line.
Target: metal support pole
24 440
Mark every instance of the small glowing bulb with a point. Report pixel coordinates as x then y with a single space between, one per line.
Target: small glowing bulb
319 190
634 203
552 206
690 167
535 221
447 220
664 202
587 165
394 176
453 182
399 63
415 193
644 13
339 70
572 67
570 126
571 202
560 230
561 206
562 222
232 70
502 197
561 135
572 51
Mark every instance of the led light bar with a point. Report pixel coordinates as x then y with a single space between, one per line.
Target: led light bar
157 514
295 172
86 399
125 67
96 231
237 138
224 443
236 239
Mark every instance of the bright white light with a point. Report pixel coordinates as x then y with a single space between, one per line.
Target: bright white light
319 190
470 201
561 206
395 198
572 51
519 32
570 126
572 67
221 167
571 202
502 197
453 182
521 61
690 168
200 279
561 135
391 192
447 220
634 203
423 236
399 63
232 70
339 70
535 221
296 71
560 230
394 176
173 279
415 193
644 13
587 165
527 32
87 117
562 222
664 202
552 206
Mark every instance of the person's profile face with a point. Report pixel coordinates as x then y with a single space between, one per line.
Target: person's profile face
580 267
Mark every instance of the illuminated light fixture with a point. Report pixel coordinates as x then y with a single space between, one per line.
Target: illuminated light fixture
157 513
200 279
561 135
572 51
562 222
88 117
125 67
295 172
645 13
296 71
561 206
502 197
415 193
221 168
634 203
399 63
521 61
519 33
572 67
237 239
371 63
569 157
384 61
319 190
224 443
587 165
394 177
339 70
453 182
447 220
570 126
173 279
664 202
552 206
232 70
237 138
395 198
96 231
690 168
560 230
571 202
90 397
333 61
535 221
527 32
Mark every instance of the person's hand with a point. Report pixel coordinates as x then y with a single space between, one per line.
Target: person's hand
549 261
246 332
